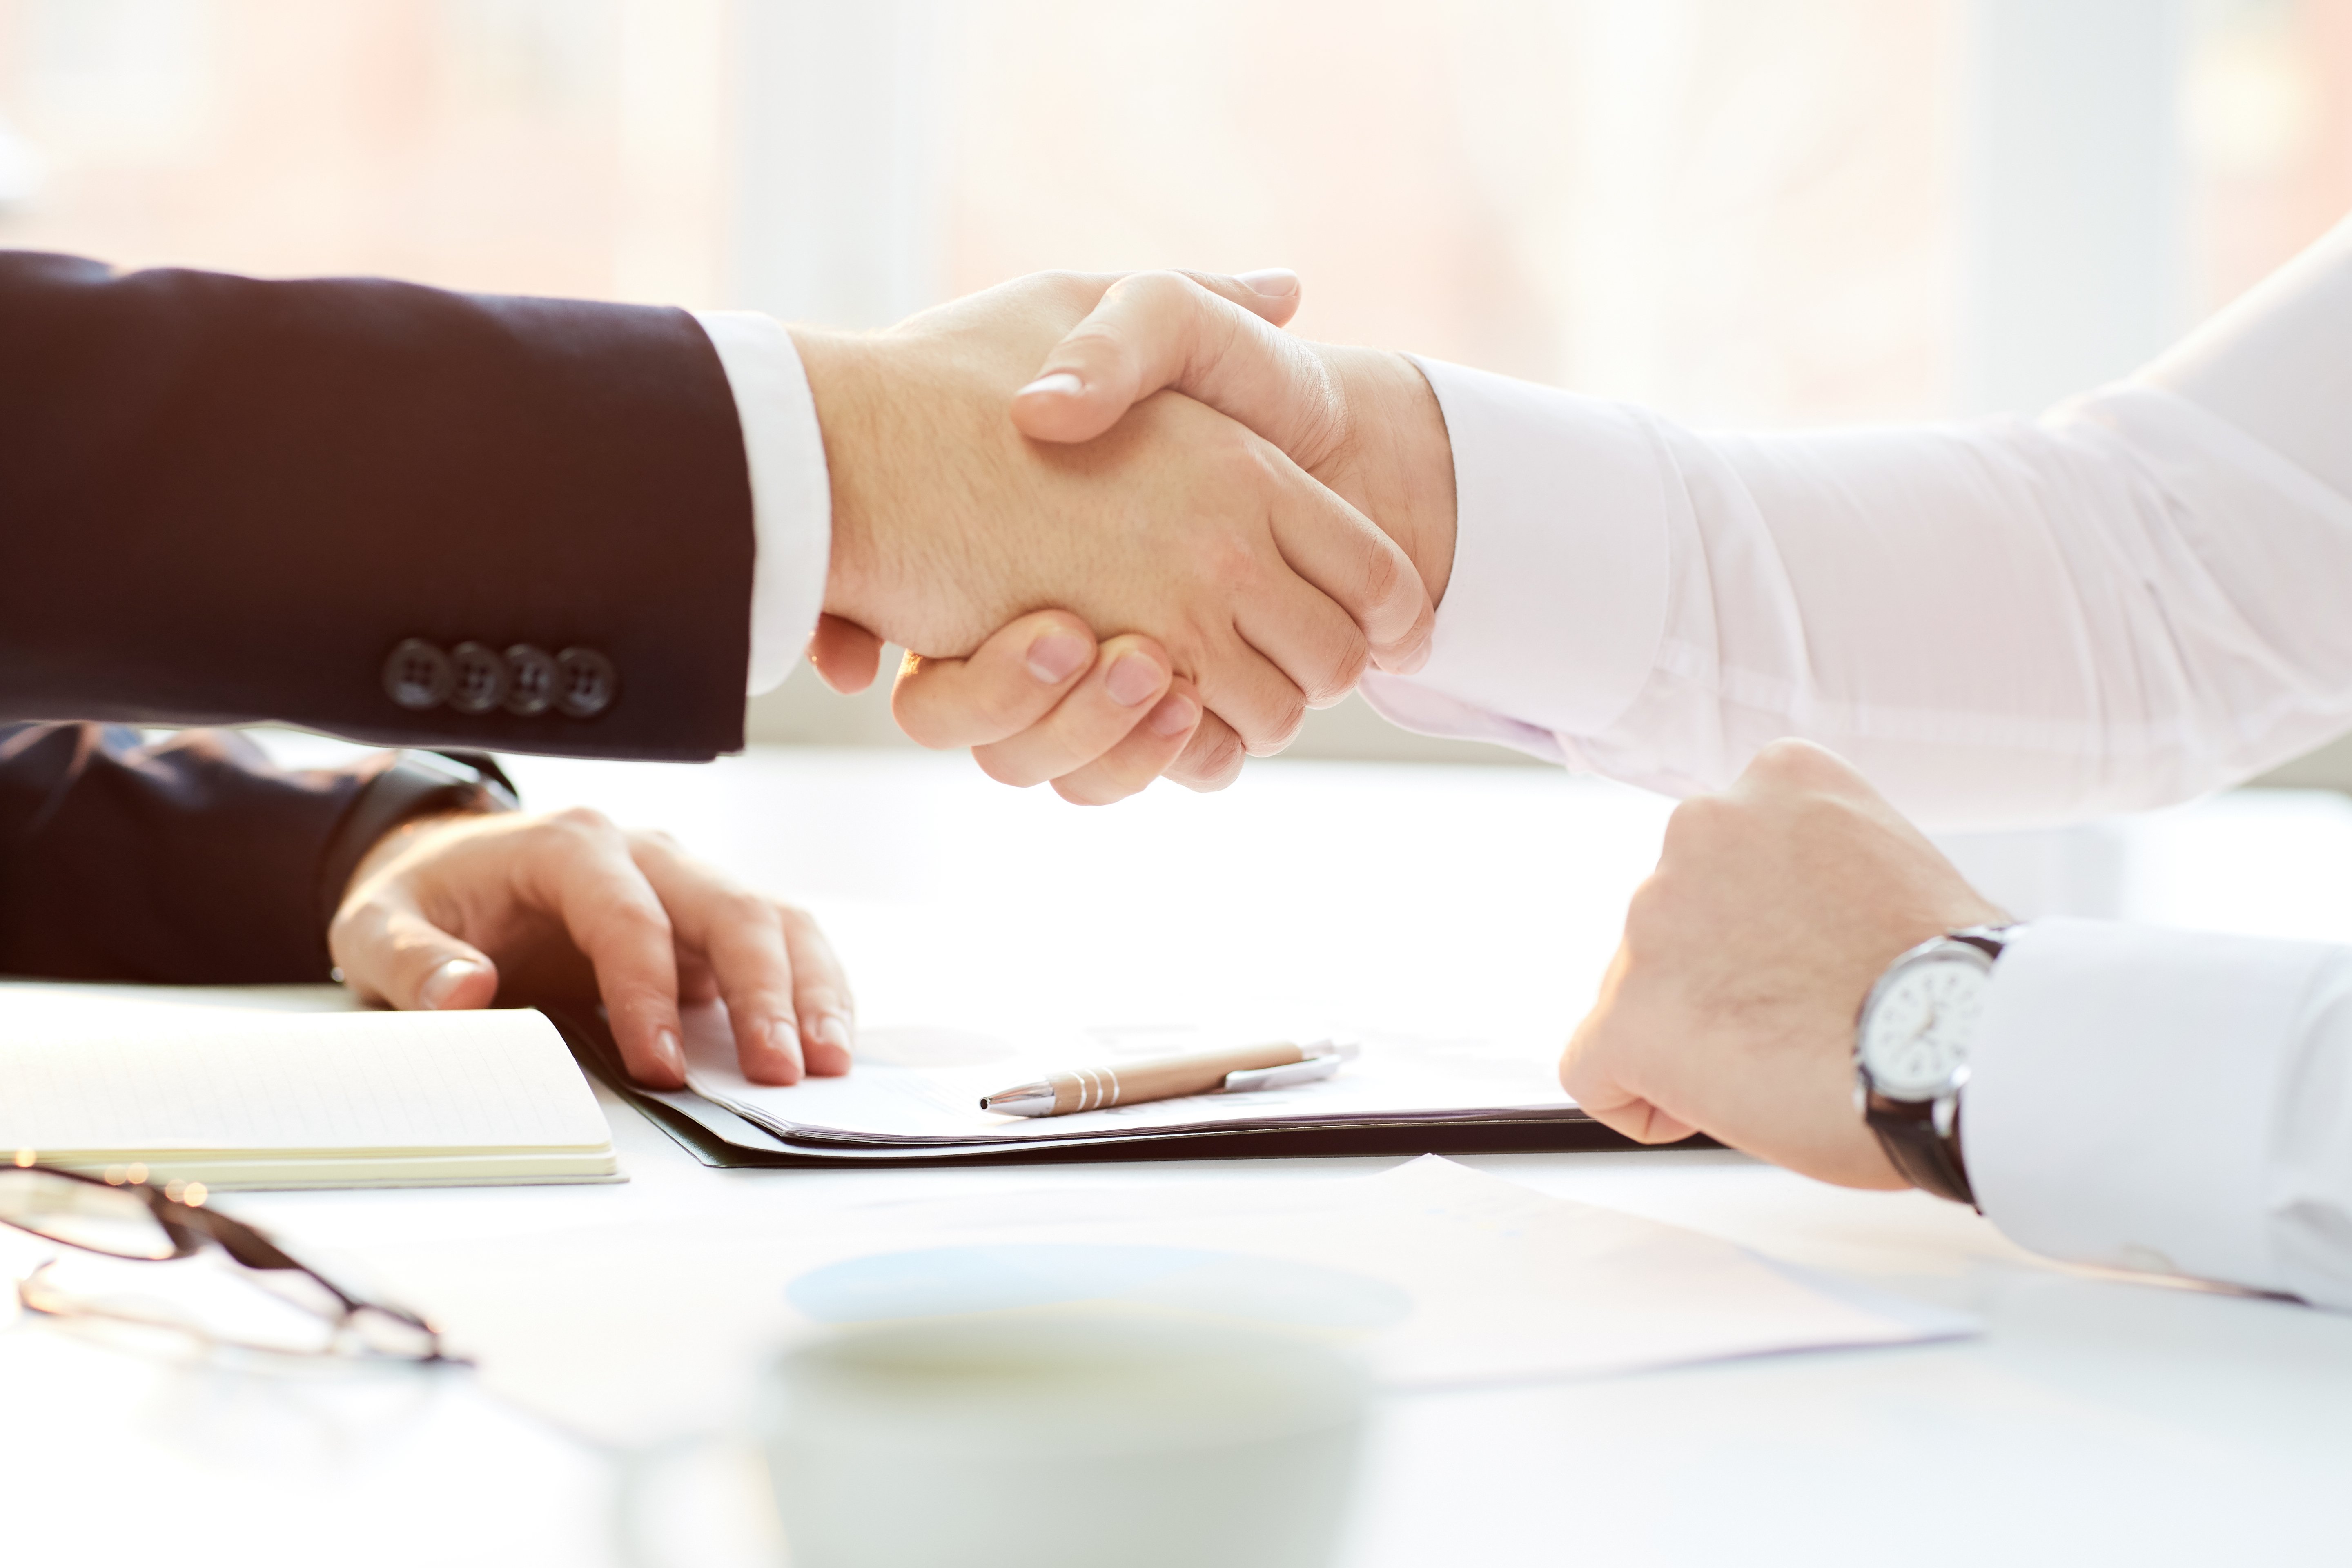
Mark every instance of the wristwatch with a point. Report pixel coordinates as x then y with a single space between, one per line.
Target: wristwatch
1911 1055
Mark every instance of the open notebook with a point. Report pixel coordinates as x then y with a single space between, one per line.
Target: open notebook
914 1100
194 1085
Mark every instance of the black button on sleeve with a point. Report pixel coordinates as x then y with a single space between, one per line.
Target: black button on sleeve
480 679
586 683
418 676
531 680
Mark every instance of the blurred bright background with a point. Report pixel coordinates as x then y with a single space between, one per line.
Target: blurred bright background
1746 212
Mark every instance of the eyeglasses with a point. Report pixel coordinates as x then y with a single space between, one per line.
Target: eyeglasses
120 1215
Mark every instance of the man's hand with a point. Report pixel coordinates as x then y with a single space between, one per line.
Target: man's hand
1730 1007
1363 422
466 911
1020 705
1265 591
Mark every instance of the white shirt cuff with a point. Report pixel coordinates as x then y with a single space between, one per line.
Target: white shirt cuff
2125 1091
791 495
1558 598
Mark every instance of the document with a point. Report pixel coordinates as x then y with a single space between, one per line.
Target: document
230 1092
915 1092
1440 1275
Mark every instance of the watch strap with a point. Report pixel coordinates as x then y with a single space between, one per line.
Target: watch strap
1922 1138
1927 1158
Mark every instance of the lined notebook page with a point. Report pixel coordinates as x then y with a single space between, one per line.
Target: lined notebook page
174 1078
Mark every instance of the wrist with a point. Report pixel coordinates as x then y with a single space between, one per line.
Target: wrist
411 786
1394 462
1912 1040
844 374
398 842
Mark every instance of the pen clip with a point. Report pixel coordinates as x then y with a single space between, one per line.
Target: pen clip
1323 1059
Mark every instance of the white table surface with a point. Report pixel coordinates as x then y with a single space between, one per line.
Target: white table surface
2096 1420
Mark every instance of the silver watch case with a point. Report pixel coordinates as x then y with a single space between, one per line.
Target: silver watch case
1976 946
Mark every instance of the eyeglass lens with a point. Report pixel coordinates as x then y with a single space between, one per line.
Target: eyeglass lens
109 1219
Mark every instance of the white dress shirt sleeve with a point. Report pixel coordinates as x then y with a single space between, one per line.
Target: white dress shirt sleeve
2142 595
2132 600
791 495
2170 1100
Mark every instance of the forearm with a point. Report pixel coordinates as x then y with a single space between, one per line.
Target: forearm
193 861
228 499
2127 602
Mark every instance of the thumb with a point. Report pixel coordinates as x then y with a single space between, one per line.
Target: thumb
1186 331
398 957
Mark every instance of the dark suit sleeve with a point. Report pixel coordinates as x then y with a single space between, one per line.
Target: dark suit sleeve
225 499
191 861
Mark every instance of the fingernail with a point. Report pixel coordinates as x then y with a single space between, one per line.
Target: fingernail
1056 656
666 1048
1134 678
1277 282
443 982
1174 715
1061 384
784 1039
833 1029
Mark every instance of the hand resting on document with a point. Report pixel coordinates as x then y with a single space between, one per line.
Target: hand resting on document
1730 1006
1362 422
468 910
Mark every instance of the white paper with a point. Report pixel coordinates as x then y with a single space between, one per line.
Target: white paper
1442 1276
105 1076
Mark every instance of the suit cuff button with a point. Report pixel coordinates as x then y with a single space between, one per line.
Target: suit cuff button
480 679
585 683
418 676
531 680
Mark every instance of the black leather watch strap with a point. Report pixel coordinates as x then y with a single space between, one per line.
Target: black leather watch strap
1928 1158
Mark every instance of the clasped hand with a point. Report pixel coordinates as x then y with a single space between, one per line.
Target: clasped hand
1256 518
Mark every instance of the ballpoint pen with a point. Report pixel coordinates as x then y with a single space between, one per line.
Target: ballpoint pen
1213 1072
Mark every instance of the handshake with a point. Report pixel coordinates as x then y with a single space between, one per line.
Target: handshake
1124 525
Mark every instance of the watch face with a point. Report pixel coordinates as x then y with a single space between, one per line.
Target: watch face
1915 1041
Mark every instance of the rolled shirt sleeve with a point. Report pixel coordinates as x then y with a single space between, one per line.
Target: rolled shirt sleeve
2169 1101
791 494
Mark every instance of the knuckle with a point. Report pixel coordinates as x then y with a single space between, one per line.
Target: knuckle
1286 718
638 919
1085 789
1698 821
1651 910
1157 290
1346 669
1229 560
1795 762
1385 579
582 820
1015 772
657 837
1212 762
1074 289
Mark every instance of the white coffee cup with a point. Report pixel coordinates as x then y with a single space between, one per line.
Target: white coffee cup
1063 1441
